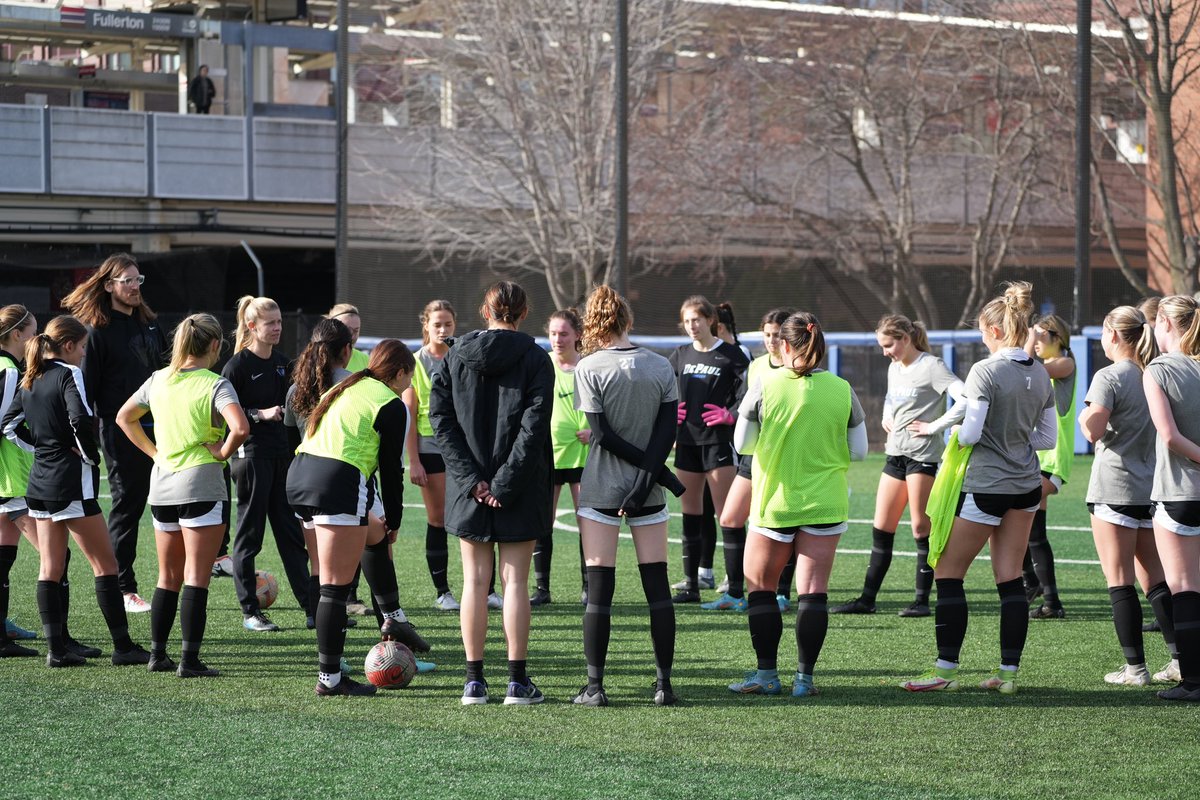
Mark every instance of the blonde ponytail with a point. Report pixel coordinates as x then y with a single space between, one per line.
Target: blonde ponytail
193 337
250 309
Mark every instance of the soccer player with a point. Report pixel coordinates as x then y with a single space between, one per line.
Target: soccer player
348 315
490 406
195 409
914 416
51 416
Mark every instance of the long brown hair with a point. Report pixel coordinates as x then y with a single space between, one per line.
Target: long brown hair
12 319
427 312
504 301
61 331
313 374
1010 313
802 332
389 358
571 317
606 316
899 326
700 303
91 303
1135 331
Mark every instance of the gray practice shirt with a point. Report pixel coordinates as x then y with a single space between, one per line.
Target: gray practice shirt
202 484
1124 467
627 386
1017 392
917 393
1176 477
294 420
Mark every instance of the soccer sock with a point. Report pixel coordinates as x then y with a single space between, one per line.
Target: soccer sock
1027 572
437 556
475 671
1160 601
8 557
64 594
950 618
786 577
708 531
516 671
1014 621
597 622
193 617
657 588
1186 607
1043 558
766 628
380 573
314 595
49 600
812 621
692 545
163 607
492 581
331 631
543 553
924 572
1127 618
112 606
582 566
882 543
734 541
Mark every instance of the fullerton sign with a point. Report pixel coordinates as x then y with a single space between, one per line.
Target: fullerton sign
131 23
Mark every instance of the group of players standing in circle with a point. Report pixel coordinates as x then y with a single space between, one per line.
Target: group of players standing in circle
494 428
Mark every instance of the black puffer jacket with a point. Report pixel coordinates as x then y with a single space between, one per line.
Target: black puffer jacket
490 406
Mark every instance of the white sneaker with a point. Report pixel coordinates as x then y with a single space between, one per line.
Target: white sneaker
446 602
1129 675
1169 673
134 604
495 601
223 566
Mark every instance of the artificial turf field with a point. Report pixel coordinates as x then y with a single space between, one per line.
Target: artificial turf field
259 732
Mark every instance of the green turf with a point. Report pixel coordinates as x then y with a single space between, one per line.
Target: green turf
258 731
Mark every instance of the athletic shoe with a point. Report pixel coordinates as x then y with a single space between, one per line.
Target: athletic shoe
1129 675
1032 592
424 666
356 608
723 586
936 680
686 596
198 669
1047 611
80 649
1003 681
15 631
1180 692
523 694
405 633
855 606
664 696
915 610
134 656
802 686
756 684
495 601
1169 673
587 697
310 622
258 623
1152 627
446 602
704 583
67 659
223 566
475 693
163 664
10 649
785 603
541 597
345 688
583 598
134 604
725 603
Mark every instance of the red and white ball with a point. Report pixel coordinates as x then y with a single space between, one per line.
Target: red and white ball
390 665
266 587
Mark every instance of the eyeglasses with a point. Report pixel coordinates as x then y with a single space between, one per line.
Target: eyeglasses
137 280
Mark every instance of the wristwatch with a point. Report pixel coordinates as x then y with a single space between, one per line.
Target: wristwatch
255 415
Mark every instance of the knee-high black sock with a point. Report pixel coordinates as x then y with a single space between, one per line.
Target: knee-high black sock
597 622
163 607
924 577
193 617
331 628
1027 572
734 541
708 531
582 566
380 573
785 577
1014 621
314 595
64 594
812 621
882 543
766 628
1043 558
112 606
692 545
1160 601
492 581
437 556
1186 608
950 617
1127 619
49 600
657 588
8 557
543 554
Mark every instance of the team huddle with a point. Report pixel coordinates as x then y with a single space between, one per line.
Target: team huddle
490 428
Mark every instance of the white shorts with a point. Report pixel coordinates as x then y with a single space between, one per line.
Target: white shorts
1167 521
788 535
596 515
15 507
172 519
1056 481
1116 515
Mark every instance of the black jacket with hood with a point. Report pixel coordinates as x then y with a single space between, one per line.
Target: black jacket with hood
490 407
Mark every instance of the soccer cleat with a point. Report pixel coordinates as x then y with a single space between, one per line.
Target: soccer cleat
723 586
475 693
936 680
785 603
664 696
1129 675
1032 592
1152 627
541 597
258 623
523 694
1047 611
686 596
1169 673
855 606
134 604
704 582
914 610
134 656
446 602
67 659
1180 692
10 649
15 631
345 688
1003 681
198 669
405 634
725 603
587 697
495 601
310 622
223 566
756 683
424 666
802 686
356 608
80 649
161 664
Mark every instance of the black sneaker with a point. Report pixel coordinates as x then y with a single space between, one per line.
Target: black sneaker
664 695
855 606
1047 611
405 634
915 610
132 657
1032 591
67 659
197 669
686 596
345 688
541 597
161 663
1152 627
1180 692
10 649
80 649
589 697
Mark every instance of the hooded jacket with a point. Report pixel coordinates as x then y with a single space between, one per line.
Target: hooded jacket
490 407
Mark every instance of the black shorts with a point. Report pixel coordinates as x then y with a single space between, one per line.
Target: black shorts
1124 515
326 491
1185 513
62 510
900 467
988 509
190 515
745 467
432 463
571 475
704 457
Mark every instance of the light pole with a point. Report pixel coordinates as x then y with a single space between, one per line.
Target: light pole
340 261
618 270
1083 163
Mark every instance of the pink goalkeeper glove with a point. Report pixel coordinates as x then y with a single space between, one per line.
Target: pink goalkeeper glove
681 413
717 415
